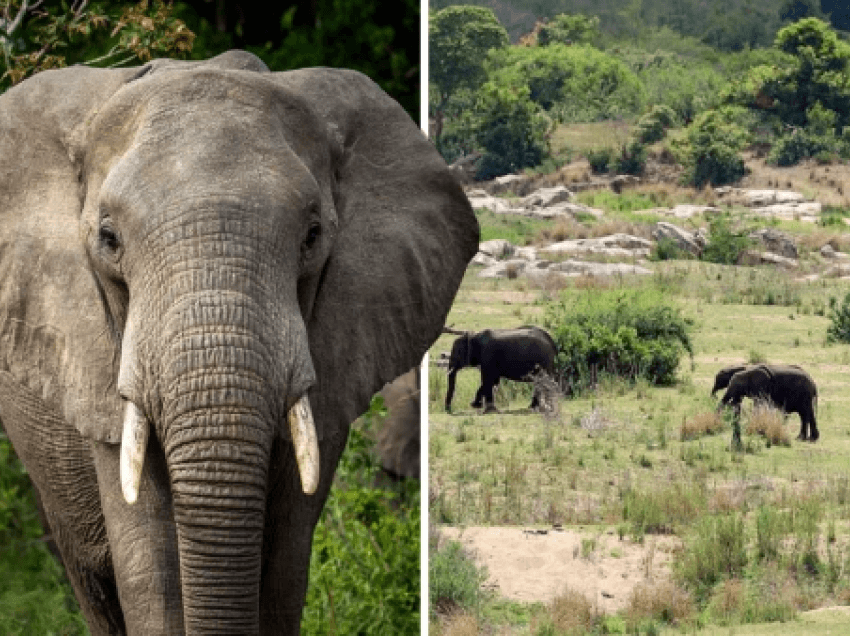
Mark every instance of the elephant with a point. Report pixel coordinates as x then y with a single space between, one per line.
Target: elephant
788 387
514 354
398 435
721 380
207 270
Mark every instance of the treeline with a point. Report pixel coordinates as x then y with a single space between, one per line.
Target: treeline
730 25
505 101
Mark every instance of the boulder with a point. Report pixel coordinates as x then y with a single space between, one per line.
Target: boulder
491 203
839 270
684 240
808 211
483 260
754 257
513 183
615 245
547 197
776 242
497 248
585 268
505 269
622 181
764 198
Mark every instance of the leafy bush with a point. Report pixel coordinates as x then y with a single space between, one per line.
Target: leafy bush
839 320
631 159
654 124
725 245
716 139
635 334
569 29
364 569
599 159
454 581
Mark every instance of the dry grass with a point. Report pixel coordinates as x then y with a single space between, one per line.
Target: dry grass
459 624
571 611
707 423
729 599
769 422
663 600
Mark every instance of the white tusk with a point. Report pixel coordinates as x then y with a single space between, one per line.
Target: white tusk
303 431
134 443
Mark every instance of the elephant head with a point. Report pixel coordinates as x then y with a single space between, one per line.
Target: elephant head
721 380
206 271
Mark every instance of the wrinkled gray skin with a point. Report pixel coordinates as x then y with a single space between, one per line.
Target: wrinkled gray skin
514 354
209 241
788 387
399 432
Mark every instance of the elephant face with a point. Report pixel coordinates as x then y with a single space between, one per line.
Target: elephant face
721 380
206 270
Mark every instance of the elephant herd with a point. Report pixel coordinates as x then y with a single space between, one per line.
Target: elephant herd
517 354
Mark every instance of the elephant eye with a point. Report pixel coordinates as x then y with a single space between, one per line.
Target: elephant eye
108 238
313 234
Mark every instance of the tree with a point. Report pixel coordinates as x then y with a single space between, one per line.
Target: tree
570 29
35 36
459 39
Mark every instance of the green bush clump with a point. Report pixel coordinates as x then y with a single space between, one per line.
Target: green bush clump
599 159
726 245
654 124
631 159
715 550
839 320
454 581
715 140
634 334
364 569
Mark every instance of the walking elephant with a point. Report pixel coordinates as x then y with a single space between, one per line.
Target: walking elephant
788 387
514 354
206 271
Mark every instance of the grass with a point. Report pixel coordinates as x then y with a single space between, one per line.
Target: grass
651 460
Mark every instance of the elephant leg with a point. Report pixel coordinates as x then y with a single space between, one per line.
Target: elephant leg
291 518
480 396
487 394
59 463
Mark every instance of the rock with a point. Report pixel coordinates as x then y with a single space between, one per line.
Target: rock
684 240
505 269
753 257
622 181
617 245
547 197
764 198
497 248
484 260
494 204
507 183
776 242
526 253
839 270
827 251
575 210
584 268
681 211
808 211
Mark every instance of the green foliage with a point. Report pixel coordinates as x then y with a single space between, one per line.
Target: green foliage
508 130
839 320
631 334
725 244
364 571
715 550
653 125
35 597
569 29
101 34
715 140
600 159
631 158
454 581
662 510
573 83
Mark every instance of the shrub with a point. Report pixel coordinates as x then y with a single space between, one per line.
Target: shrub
454 581
707 423
599 159
839 319
715 140
632 158
768 421
715 550
634 334
654 124
725 245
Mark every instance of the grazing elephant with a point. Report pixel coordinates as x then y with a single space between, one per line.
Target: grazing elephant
514 354
399 432
206 271
788 387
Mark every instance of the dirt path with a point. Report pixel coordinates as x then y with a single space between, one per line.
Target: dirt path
536 565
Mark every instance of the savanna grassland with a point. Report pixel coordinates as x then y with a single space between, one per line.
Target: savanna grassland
756 536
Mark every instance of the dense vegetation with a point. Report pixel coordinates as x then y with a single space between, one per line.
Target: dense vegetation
791 92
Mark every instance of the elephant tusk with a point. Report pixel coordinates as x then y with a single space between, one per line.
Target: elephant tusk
303 431
134 443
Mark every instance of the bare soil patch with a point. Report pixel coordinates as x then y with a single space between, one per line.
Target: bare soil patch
532 565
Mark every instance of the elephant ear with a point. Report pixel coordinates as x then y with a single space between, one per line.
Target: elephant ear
406 233
54 342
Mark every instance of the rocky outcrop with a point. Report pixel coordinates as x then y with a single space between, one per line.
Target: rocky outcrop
776 204
777 242
546 203
615 246
754 257
691 242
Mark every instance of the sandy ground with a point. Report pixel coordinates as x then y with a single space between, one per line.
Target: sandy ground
526 564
